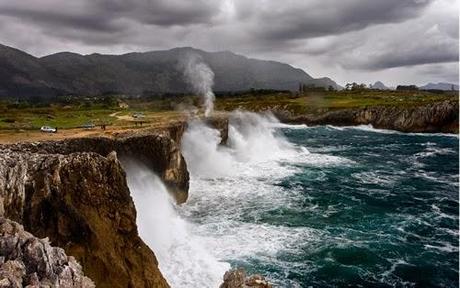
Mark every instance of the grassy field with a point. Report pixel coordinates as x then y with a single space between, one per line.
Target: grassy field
324 101
22 122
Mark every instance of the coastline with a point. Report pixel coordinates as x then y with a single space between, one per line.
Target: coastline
47 168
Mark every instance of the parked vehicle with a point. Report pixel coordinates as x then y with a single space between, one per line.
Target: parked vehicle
48 129
138 115
89 125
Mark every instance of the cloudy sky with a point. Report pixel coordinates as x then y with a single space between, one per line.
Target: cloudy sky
395 41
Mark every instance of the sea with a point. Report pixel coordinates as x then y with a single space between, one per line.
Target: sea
319 206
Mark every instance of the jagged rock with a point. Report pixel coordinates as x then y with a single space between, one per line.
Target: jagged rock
31 262
434 117
158 152
81 202
237 278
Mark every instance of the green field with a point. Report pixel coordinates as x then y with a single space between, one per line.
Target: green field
76 114
319 102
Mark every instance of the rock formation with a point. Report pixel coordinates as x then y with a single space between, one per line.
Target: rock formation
237 278
81 202
74 192
158 152
28 261
435 117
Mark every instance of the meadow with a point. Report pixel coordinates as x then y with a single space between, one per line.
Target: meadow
22 120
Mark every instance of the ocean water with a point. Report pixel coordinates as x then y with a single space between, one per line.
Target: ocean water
311 207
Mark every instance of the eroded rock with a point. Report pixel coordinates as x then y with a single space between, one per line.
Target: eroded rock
156 151
29 261
237 278
434 117
81 202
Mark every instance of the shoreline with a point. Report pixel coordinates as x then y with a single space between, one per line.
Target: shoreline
439 117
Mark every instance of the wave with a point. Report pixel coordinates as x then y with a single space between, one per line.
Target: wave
183 259
370 128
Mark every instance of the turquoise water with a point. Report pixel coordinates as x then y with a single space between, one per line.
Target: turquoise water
389 219
334 207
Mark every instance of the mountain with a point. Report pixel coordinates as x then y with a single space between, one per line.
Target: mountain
439 86
24 75
379 86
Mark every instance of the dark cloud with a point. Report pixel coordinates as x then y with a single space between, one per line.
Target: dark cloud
64 19
413 57
307 19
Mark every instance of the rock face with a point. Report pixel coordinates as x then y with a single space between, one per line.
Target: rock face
81 202
237 278
26 260
436 117
158 152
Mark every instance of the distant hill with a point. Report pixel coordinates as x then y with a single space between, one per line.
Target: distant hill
440 86
23 75
379 86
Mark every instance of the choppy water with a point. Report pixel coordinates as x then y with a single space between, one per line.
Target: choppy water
320 206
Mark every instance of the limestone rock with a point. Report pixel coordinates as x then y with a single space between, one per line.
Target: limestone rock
434 117
156 151
237 278
81 202
32 262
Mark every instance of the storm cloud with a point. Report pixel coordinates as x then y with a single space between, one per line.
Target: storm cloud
395 41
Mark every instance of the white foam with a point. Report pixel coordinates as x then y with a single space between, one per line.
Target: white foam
370 128
231 187
183 259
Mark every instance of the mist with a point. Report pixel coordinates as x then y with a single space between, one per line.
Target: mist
201 79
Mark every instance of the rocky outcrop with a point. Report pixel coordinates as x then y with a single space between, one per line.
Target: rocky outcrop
29 261
156 151
237 278
434 117
221 124
81 202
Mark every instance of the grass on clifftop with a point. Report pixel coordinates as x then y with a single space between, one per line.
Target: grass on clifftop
318 102
14 117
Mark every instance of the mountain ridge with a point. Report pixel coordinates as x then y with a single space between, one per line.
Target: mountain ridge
440 86
138 73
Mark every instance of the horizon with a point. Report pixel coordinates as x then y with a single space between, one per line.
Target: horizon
395 42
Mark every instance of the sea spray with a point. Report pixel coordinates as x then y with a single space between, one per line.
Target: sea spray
200 146
201 78
183 261
230 185
252 138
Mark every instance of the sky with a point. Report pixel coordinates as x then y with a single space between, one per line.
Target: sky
393 41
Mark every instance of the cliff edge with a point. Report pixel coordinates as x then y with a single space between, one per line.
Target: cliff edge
74 192
430 118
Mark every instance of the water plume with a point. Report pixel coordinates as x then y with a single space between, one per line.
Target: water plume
253 138
201 78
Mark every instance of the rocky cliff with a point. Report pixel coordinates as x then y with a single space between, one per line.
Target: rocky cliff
159 152
74 192
435 117
81 202
26 261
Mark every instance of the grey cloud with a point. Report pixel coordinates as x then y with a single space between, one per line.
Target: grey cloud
104 15
307 19
161 12
413 57
62 19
